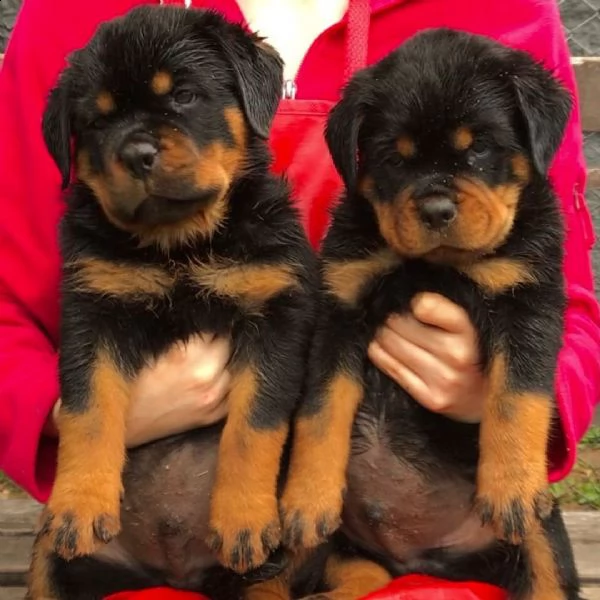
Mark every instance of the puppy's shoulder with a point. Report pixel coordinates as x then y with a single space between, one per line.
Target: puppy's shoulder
263 219
353 232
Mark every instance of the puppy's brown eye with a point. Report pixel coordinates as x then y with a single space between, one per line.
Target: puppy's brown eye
99 123
479 149
184 97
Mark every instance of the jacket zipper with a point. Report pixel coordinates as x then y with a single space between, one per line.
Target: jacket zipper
290 89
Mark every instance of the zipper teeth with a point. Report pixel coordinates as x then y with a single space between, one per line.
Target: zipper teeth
290 89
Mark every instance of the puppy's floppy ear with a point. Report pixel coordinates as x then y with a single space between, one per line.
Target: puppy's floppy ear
258 70
343 127
56 127
545 106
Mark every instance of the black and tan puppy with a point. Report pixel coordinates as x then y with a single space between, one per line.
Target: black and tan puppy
173 227
444 147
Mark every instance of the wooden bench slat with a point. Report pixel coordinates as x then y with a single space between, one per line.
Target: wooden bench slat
14 560
18 593
18 516
584 531
592 593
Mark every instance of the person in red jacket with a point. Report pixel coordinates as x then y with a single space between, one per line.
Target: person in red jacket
432 353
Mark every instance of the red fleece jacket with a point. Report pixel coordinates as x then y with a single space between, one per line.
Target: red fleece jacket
31 203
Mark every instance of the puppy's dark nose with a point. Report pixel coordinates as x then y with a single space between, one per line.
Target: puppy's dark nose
437 212
139 157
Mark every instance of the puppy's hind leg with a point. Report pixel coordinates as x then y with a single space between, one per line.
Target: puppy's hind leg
351 578
274 589
551 573
39 578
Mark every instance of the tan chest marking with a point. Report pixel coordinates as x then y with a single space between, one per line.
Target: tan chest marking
120 280
251 284
346 280
497 275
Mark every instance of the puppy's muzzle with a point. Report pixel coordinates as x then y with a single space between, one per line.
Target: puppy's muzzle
139 155
436 206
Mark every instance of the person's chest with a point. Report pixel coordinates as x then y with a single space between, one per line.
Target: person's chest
311 36
314 42
292 27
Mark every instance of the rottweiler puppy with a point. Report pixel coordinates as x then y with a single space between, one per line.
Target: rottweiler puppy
444 147
174 226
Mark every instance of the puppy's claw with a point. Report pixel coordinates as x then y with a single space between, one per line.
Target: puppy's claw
244 549
308 522
79 530
509 522
301 531
511 495
513 516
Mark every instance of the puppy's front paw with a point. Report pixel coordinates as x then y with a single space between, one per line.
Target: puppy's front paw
309 519
76 524
511 499
244 532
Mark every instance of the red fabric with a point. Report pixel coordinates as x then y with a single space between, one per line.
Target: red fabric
421 587
31 204
158 593
410 587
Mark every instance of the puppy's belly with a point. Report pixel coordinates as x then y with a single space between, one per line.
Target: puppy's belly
393 510
411 480
165 509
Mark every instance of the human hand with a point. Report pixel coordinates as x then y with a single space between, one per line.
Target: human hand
433 354
185 388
